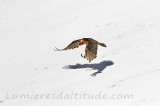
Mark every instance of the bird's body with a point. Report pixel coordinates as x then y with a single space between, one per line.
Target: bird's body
90 50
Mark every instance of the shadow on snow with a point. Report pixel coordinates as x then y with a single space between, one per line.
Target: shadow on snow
95 66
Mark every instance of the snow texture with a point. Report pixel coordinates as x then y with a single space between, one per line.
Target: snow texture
130 65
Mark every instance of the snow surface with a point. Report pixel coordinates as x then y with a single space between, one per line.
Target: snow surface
30 29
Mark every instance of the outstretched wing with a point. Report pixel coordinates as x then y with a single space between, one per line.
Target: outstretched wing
74 44
91 51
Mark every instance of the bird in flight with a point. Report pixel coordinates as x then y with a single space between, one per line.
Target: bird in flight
90 50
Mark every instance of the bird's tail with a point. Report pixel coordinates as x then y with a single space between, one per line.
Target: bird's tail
102 44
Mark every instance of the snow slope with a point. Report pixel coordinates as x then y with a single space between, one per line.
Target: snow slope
30 29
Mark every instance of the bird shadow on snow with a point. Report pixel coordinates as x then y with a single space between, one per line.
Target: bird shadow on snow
95 66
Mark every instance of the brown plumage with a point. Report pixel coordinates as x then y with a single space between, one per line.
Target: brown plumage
90 50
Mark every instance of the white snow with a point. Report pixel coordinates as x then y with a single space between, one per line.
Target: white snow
130 65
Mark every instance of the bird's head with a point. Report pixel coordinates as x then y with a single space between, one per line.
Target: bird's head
82 41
